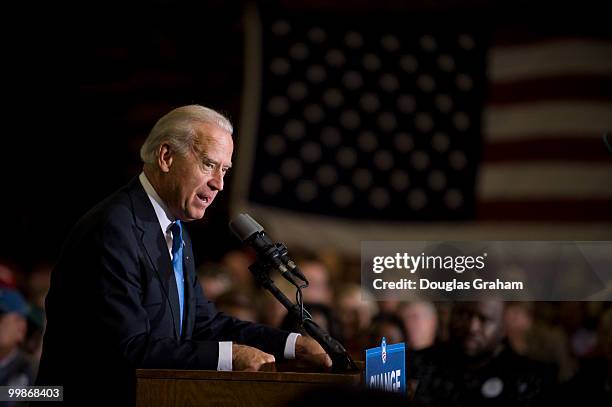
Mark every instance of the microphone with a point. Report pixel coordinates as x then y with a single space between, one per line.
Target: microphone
253 234
274 255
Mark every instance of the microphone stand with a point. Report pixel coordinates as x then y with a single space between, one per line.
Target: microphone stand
341 360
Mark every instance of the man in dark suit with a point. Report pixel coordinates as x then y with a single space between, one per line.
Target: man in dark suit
124 293
477 367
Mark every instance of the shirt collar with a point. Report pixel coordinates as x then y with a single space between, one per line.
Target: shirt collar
161 210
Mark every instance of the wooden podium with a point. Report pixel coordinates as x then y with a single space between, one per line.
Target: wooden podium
273 386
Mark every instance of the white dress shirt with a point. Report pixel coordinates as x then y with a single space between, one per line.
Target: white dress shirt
165 221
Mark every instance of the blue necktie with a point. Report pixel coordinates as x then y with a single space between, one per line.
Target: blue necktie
177 264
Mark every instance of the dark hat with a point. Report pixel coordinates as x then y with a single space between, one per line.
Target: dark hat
12 301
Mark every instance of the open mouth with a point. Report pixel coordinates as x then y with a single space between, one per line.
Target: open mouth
203 198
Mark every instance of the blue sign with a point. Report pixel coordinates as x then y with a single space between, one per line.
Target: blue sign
386 367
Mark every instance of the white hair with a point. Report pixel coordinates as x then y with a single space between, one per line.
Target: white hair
177 129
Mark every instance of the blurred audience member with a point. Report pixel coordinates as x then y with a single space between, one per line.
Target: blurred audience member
37 287
605 339
7 275
538 340
594 377
333 261
238 304
34 338
574 320
15 366
420 321
385 325
444 310
477 367
271 312
214 279
319 288
38 282
354 314
237 263
389 306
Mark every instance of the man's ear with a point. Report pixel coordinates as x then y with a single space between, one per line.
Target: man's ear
165 157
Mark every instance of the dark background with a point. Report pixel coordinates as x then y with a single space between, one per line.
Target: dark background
87 85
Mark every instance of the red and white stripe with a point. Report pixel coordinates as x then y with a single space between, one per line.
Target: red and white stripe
549 104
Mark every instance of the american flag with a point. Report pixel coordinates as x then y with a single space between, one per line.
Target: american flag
387 129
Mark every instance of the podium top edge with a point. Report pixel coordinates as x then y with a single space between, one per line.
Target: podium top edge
267 376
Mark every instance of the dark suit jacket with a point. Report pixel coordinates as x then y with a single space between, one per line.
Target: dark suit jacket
113 307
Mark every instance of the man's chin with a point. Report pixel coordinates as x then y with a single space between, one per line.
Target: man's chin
199 215
193 215
471 349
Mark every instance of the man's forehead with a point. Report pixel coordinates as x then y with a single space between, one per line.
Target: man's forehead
210 132
490 309
211 138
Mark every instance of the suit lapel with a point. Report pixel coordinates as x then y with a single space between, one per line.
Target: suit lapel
155 246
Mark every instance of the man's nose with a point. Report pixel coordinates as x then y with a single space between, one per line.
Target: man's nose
474 324
216 181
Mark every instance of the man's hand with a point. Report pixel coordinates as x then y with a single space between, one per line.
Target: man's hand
309 351
249 358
